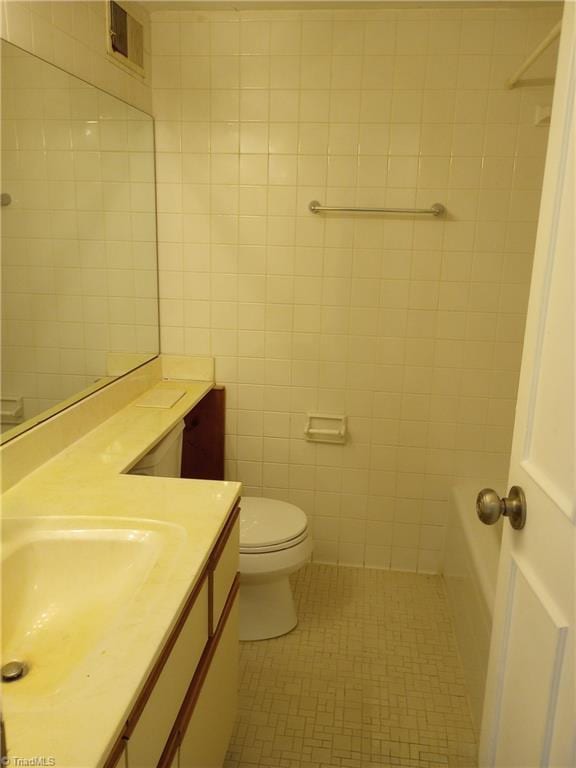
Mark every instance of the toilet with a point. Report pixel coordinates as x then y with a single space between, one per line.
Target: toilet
165 458
274 542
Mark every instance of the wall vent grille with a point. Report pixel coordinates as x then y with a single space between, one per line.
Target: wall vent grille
125 38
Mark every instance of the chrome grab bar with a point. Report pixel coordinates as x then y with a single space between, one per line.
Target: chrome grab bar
435 210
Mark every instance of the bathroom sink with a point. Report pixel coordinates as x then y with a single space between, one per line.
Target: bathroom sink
67 583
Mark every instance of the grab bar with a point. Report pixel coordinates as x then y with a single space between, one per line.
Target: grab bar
435 210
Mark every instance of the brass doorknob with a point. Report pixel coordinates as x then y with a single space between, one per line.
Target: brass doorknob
489 507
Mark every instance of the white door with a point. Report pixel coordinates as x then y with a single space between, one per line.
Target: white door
529 718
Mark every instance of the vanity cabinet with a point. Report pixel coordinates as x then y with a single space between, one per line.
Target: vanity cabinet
184 715
207 732
226 562
153 725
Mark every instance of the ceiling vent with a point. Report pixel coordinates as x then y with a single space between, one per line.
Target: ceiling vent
125 38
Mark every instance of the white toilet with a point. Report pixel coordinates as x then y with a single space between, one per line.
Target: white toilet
274 542
165 458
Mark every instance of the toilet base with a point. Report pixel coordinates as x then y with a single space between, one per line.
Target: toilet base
266 609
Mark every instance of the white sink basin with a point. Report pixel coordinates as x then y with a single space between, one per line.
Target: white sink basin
66 583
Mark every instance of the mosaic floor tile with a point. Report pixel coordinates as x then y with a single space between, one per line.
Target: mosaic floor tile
370 678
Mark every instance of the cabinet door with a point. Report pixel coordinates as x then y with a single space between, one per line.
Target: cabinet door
205 741
203 439
226 565
146 743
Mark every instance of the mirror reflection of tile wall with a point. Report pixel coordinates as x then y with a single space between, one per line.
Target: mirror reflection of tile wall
79 266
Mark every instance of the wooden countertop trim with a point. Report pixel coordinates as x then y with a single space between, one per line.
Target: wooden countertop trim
224 536
170 749
114 757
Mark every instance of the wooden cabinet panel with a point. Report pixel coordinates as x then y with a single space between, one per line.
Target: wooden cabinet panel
122 761
203 438
205 741
146 742
171 755
225 565
117 757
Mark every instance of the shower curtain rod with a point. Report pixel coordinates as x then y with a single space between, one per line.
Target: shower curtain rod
538 51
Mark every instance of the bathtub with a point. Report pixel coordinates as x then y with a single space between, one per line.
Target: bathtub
470 572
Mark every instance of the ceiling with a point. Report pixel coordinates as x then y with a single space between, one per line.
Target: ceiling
154 6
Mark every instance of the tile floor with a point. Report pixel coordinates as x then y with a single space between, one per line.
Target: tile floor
370 678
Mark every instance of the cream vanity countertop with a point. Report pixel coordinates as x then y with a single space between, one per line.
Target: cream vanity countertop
77 723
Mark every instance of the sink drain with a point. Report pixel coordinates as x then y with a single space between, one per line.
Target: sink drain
13 670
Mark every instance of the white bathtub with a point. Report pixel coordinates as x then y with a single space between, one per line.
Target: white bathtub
470 571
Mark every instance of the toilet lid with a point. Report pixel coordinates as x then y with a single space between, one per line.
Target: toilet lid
265 522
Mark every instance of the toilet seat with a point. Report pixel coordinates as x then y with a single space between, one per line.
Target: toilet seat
269 525
274 547
266 566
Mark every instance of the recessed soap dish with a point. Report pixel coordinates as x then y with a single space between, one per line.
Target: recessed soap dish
542 116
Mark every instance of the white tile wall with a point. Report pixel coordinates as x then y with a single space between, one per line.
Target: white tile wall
412 327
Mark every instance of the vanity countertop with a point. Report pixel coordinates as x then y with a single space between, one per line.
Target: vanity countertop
76 723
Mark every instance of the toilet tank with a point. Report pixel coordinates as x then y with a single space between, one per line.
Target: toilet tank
165 458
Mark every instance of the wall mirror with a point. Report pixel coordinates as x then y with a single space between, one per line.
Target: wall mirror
79 265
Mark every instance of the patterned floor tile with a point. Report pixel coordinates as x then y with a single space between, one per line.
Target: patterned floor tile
370 678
